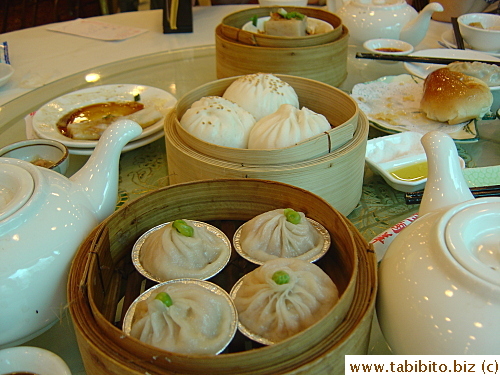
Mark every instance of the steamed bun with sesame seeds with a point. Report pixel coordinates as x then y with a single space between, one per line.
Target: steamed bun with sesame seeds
219 121
261 94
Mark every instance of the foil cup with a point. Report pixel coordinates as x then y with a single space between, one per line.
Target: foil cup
211 272
128 319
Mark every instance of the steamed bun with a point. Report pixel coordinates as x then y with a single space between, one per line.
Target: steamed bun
286 127
219 121
261 94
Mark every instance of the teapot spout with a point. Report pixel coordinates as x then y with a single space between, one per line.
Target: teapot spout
414 31
98 178
446 185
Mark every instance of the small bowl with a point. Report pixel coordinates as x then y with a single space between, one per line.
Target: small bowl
42 152
388 47
481 39
402 155
212 270
29 359
204 287
6 71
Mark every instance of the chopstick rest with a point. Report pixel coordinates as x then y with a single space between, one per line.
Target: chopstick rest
478 192
418 59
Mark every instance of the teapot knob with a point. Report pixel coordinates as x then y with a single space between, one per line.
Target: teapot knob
446 185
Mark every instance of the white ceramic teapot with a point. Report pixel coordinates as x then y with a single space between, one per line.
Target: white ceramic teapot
44 217
439 281
389 19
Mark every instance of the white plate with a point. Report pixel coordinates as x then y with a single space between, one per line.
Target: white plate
6 72
128 147
45 119
392 104
313 23
422 70
448 38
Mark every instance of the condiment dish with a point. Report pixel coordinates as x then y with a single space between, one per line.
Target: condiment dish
388 47
6 71
41 152
30 359
481 31
400 159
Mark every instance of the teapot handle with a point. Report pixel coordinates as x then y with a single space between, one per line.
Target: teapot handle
446 185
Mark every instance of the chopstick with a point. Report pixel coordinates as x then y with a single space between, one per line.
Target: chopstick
458 34
418 59
478 192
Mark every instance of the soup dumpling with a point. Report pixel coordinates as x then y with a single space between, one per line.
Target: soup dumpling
184 317
284 297
280 233
169 252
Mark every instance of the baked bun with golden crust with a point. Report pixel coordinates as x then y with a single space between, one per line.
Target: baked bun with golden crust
454 97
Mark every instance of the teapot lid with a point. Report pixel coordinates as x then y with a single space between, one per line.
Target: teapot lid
472 236
16 187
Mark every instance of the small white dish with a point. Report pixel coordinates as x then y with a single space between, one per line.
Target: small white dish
400 159
390 47
42 152
319 26
45 119
422 70
6 71
29 359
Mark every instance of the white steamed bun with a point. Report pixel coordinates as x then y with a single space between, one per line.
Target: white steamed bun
261 94
286 127
219 121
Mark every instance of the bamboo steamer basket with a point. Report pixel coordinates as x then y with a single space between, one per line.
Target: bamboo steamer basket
330 165
102 281
325 62
231 27
315 95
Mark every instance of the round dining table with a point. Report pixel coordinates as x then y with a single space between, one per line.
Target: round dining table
51 63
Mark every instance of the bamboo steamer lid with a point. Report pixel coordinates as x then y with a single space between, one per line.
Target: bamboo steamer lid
231 28
98 277
340 110
325 62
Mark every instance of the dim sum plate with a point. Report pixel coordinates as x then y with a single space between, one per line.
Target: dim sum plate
45 119
392 104
310 256
218 265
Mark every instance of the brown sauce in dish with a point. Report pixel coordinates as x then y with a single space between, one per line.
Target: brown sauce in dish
21 373
105 112
388 50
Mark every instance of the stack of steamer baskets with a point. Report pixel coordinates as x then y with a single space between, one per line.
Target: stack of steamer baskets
330 165
103 283
321 57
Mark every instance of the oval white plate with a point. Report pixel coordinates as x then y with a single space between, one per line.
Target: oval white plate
392 104
422 70
311 22
448 38
45 119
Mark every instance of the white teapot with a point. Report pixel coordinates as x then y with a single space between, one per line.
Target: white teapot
439 281
388 19
44 217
